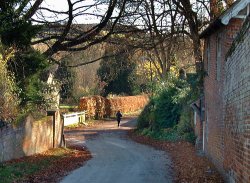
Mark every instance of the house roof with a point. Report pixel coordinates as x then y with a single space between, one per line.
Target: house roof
225 17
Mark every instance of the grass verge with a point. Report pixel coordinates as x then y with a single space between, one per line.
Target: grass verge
49 166
168 134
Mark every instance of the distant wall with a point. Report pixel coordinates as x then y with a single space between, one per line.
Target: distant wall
98 106
30 138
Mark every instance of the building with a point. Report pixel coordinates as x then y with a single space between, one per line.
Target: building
224 129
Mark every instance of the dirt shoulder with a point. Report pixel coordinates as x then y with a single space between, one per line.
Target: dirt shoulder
188 166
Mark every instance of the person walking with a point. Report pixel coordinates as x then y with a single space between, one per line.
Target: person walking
118 117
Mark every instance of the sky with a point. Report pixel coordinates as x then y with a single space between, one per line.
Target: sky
61 5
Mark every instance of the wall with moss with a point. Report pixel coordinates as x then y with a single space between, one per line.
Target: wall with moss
30 137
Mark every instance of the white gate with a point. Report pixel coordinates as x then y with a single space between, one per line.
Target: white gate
74 118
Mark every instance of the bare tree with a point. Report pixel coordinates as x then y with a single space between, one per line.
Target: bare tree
62 32
164 25
194 19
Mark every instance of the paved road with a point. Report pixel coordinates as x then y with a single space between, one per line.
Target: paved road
117 159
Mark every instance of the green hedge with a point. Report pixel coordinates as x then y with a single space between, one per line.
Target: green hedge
168 115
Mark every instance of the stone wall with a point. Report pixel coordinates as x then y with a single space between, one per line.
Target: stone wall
30 138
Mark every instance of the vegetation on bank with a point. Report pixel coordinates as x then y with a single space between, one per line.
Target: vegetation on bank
168 115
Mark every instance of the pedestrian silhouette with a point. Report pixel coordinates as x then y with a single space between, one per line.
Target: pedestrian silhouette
118 117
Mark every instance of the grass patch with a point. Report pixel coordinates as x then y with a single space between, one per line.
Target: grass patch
76 125
68 107
18 169
167 134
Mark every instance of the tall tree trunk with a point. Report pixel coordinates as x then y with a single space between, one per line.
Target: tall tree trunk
198 61
197 52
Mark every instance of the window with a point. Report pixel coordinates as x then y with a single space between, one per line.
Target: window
218 57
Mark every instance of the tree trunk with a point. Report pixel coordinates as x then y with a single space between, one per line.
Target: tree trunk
197 52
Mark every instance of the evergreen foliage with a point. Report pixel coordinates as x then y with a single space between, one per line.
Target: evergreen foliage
146 117
67 77
28 67
118 74
14 30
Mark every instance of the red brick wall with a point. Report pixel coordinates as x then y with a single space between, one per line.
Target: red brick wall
236 111
218 116
213 108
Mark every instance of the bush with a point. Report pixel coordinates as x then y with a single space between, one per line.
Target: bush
147 117
169 103
170 134
190 137
166 112
169 110
36 93
185 126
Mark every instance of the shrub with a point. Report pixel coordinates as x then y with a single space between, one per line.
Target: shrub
35 94
168 105
170 134
190 137
169 110
185 126
147 116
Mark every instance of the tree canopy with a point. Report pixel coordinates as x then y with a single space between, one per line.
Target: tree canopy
118 73
159 29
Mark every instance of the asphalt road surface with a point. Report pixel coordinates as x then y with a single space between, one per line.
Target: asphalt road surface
116 158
